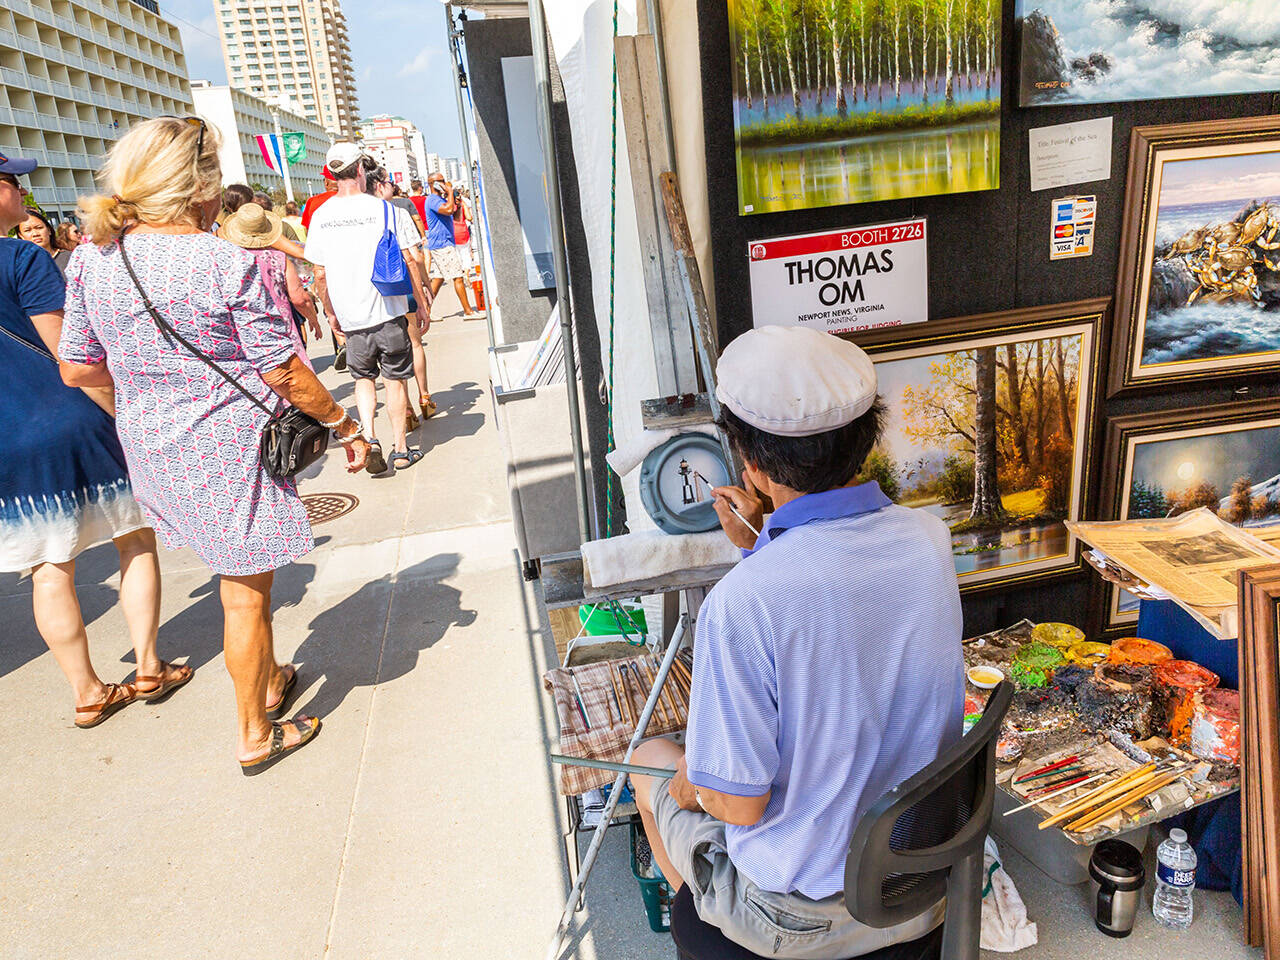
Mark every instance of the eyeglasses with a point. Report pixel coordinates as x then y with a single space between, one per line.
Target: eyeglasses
194 121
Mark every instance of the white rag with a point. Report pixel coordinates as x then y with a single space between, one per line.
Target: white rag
1005 927
650 554
631 453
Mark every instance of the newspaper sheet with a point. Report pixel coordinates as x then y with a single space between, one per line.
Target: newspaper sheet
1194 558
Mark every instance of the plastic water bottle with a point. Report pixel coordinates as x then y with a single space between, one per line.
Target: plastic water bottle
1175 881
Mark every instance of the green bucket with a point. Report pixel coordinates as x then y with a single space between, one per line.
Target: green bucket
601 621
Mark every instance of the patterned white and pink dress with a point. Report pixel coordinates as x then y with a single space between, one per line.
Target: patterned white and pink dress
189 437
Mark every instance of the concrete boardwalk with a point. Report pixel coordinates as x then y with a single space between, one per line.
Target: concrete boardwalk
422 823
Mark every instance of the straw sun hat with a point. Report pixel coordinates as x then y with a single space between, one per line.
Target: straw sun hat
252 227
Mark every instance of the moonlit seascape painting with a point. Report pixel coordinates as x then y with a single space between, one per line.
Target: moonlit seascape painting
1100 51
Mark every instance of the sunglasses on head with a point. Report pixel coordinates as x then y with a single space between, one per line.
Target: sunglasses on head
195 122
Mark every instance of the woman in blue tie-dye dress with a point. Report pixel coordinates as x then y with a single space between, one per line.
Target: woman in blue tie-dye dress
64 486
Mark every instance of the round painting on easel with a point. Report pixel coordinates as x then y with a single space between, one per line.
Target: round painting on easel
676 481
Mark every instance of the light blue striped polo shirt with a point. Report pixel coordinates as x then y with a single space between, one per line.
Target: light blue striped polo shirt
827 669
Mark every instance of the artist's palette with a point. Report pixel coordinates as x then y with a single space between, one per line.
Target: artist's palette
676 481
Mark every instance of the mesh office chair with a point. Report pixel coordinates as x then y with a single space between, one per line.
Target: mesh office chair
919 842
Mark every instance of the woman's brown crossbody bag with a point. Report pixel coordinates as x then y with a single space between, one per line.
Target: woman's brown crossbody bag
291 440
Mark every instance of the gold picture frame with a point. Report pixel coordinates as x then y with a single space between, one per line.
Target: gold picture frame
931 383
1189 292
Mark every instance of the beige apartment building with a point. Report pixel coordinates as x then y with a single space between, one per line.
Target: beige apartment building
74 76
294 49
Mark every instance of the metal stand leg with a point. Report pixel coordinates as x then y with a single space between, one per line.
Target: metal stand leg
597 838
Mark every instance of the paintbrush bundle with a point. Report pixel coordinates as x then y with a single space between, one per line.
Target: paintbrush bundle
1259 647
598 706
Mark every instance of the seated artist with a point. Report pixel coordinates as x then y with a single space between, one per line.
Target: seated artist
827 666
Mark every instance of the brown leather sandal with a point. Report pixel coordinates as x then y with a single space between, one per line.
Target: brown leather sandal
410 421
428 406
307 726
162 688
119 696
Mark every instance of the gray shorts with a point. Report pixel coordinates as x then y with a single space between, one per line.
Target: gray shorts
446 264
384 348
769 924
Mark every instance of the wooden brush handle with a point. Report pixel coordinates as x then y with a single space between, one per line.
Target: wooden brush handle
1098 795
1146 789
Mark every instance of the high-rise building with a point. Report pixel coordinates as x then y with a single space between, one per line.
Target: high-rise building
390 141
292 48
74 76
239 119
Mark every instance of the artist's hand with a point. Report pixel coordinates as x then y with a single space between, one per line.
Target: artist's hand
746 500
681 790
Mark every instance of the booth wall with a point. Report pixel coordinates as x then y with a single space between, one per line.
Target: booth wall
524 313
988 251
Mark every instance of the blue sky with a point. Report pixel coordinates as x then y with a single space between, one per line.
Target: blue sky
401 59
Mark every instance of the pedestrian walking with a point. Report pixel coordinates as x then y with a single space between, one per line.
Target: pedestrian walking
342 241
445 263
255 229
419 313
293 218
34 228
65 486
66 239
190 437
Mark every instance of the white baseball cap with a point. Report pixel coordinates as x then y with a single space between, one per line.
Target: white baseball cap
342 155
794 381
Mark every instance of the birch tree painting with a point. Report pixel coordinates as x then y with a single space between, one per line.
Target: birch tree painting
846 101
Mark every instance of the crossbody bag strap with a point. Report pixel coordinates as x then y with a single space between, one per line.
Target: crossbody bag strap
167 328
28 344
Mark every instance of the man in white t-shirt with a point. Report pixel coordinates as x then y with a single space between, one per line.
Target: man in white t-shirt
341 242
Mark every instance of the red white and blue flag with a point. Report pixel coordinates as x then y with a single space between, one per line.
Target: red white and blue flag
272 151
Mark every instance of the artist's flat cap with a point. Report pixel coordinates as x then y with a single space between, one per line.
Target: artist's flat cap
794 381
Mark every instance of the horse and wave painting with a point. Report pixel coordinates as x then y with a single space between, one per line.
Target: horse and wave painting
850 101
990 433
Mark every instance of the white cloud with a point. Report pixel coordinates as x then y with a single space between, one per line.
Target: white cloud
422 63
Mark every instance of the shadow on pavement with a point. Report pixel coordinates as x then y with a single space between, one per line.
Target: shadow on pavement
367 639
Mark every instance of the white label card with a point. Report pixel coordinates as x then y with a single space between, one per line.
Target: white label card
1070 153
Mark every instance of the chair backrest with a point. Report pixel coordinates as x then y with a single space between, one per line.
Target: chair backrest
905 846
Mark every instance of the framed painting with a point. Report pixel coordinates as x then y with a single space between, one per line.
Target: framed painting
1158 464
852 101
1075 52
989 427
1198 290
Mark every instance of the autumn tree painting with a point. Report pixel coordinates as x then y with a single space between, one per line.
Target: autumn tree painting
841 101
986 439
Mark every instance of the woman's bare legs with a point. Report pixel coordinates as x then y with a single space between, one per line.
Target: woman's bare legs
61 624
140 596
246 607
58 618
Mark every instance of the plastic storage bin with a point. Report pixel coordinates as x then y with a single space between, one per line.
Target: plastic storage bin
654 890
1050 850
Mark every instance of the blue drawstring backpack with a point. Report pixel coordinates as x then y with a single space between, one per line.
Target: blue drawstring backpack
390 272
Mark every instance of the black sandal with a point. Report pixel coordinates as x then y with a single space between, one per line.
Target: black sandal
307 726
403 459
276 711
377 463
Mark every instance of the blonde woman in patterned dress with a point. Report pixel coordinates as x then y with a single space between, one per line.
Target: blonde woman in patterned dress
190 438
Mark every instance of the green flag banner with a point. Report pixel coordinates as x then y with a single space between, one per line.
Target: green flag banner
295 147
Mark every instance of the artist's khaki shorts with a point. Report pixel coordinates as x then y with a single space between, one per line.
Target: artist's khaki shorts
770 924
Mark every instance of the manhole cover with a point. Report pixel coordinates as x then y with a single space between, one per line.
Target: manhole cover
323 507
